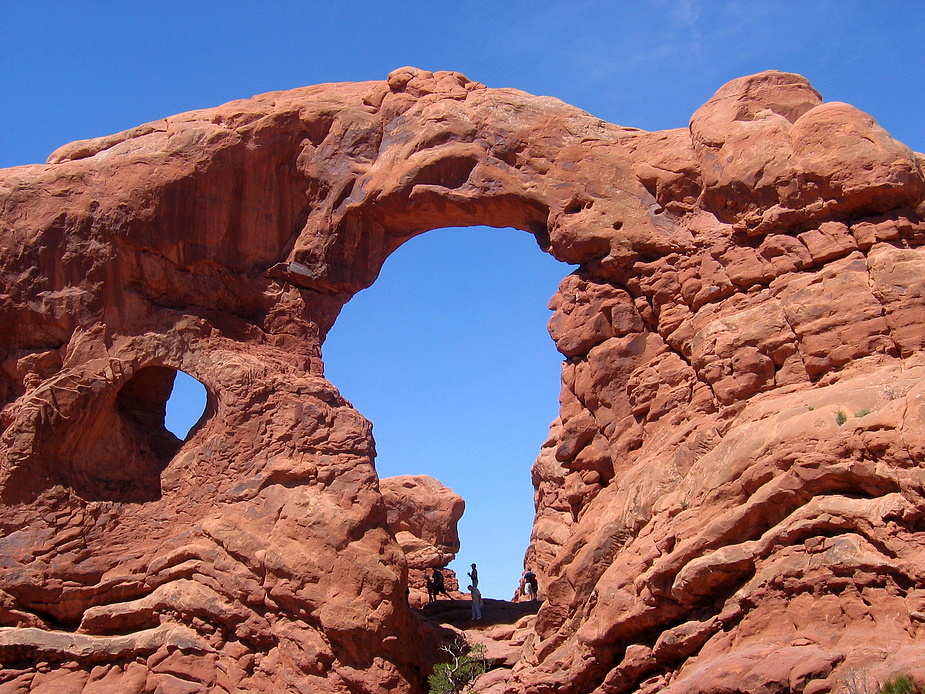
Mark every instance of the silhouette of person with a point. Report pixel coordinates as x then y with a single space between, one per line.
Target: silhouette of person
431 593
474 576
439 587
476 602
530 584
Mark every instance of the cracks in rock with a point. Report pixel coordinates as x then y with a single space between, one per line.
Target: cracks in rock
439 139
641 293
183 305
450 172
345 193
885 314
796 342
765 536
722 612
239 611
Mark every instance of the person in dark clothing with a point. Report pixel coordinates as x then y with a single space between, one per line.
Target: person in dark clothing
437 580
431 593
474 576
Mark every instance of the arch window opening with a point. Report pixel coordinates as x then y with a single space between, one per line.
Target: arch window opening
447 354
185 406
125 463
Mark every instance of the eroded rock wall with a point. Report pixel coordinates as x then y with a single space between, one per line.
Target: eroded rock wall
730 500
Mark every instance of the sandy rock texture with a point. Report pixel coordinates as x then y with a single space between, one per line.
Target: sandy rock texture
730 501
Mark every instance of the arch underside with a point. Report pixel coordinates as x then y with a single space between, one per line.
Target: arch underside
740 435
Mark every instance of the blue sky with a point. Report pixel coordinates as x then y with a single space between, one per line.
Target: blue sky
447 353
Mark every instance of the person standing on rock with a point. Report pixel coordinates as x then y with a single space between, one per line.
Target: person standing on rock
476 602
530 585
439 586
474 576
431 593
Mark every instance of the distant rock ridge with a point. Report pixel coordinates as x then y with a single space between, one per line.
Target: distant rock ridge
731 499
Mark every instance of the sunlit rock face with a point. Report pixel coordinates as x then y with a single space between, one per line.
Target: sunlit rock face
422 515
731 499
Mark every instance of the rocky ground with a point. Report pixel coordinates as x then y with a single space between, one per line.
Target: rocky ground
502 630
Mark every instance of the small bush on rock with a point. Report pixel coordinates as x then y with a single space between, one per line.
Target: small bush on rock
900 685
459 673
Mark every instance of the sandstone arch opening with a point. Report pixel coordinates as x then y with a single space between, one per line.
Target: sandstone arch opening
447 354
150 446
186 405
123 444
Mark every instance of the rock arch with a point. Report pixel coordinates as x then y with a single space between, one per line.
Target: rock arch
447 354
743 283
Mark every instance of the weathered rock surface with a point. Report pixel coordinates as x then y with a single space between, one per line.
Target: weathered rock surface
422 515
730 501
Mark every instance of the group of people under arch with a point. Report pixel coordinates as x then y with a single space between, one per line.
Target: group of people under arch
436 585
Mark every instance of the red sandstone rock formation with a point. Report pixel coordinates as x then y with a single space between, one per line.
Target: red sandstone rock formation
730 501
422 515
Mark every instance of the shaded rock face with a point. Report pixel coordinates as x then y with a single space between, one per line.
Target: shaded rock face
731 499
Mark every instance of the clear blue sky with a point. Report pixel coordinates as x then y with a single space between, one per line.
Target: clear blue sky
447 353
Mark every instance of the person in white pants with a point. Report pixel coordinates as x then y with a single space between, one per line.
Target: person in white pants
476 602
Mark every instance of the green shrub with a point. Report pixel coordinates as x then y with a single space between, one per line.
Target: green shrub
460 671
862 413
841 418
901 684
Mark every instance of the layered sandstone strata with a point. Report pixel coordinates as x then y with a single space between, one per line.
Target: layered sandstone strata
731 499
